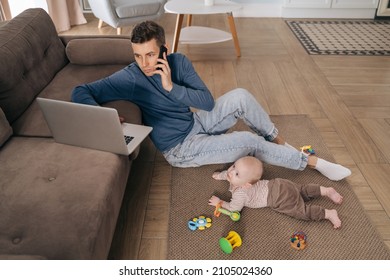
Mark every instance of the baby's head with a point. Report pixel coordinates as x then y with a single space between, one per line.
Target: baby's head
245 172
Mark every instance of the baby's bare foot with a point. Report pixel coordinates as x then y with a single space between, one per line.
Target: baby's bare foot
332 194
333 217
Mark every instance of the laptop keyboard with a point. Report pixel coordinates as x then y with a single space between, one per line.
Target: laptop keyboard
128 139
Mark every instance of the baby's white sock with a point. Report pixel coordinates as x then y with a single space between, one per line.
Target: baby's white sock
333 171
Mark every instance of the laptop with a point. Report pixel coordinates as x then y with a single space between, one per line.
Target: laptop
91 127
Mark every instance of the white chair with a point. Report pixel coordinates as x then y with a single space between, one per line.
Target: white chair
119 13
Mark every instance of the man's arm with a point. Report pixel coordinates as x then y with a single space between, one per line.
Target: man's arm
188 88
82 94
117 86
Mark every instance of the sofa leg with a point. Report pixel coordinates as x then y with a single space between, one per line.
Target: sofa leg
118 30
100 23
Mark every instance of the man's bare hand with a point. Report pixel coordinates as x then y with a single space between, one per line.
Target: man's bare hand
165 72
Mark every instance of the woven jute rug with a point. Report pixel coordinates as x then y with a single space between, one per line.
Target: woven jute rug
343 37
265 233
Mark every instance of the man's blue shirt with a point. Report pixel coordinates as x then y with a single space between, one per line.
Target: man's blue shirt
168 113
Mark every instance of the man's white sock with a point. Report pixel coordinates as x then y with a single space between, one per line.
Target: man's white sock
333 171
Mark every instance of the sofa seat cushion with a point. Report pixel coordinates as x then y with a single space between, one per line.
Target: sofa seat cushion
5 128
59 201
137 8
32 122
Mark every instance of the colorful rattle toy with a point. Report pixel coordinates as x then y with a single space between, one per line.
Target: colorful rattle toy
200 223
307 150
231 241
234 215
298 240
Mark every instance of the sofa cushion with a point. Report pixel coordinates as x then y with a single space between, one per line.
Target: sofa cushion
31 53
32 122
64 205
5 128
137 8
93 51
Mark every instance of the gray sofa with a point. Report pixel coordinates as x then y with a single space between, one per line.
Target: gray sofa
56 201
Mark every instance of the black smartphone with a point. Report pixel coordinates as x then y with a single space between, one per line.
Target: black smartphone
163 50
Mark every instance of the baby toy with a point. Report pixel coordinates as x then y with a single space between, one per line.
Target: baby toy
200 223
298 240
231 241
307 150
234 215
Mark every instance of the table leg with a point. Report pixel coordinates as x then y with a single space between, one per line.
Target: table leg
189 20
176 36
234 34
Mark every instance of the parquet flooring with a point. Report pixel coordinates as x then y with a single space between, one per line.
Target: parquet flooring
348 98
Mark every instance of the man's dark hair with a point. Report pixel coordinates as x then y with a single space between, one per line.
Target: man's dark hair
146 31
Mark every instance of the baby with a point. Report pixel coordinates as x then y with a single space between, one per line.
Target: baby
279 194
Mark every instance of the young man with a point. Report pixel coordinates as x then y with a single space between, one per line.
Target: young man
165 89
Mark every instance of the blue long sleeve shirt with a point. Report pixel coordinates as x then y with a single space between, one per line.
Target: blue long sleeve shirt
168 113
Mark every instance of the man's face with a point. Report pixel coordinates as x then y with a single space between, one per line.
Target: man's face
146 55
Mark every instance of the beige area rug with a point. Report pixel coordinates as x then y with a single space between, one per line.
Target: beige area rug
266 234
343 37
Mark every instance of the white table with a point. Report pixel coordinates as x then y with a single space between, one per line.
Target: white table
199 34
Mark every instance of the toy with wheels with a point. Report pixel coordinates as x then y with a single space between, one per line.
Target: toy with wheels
234 215
231 241
200 223
298 240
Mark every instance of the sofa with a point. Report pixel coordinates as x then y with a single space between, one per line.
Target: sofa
56 201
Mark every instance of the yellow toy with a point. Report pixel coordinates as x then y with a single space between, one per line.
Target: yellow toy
200 223
307 150
234 215
231 241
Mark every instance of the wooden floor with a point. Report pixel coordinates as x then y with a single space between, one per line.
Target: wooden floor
348 98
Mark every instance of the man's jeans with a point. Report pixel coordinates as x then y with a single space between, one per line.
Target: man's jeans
208 142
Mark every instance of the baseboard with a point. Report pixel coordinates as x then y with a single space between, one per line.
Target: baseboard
276 10
328 13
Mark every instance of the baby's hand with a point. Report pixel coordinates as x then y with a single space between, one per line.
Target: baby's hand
216 176
214 200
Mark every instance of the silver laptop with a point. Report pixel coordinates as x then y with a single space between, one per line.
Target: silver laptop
91 127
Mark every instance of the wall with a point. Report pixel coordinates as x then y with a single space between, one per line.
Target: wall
275 8
18 6
259 8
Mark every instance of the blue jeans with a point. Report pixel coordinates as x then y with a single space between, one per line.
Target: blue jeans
208 142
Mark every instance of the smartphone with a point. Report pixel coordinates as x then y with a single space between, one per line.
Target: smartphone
163 50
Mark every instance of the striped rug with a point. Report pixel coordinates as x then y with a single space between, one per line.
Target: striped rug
265 233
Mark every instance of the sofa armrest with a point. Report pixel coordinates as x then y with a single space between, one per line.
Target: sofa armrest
99 50
131 114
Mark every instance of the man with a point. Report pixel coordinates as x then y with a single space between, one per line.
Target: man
165 89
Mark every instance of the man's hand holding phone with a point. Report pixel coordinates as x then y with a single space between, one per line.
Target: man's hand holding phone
163 50
164 70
